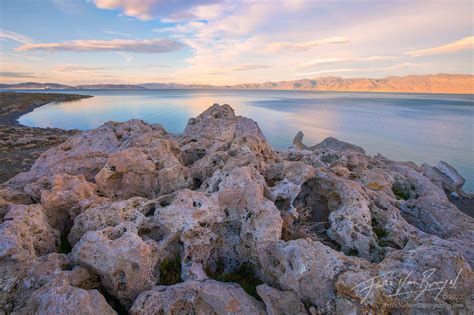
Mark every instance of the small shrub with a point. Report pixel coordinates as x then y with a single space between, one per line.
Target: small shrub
380 232
170 271
400 193
244 276
353 252
303 227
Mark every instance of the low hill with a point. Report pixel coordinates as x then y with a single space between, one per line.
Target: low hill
430 83
109 87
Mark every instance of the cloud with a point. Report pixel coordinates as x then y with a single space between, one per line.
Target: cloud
74 68
142 46
401 66
15 36
302 46
462 44
7 74
128 58
169 11
217 73
247 67
320 61
79 68
19 56
305 74
389 68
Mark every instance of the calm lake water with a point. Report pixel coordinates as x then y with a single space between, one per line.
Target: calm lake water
405 127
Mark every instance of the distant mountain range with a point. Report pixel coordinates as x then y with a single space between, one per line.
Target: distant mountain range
432 83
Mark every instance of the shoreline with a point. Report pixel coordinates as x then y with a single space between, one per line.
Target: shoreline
21 145
10 113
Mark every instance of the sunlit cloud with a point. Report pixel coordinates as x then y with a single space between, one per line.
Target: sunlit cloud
167 10
320 61
141 46
328 71
74 68
19 56
302 46
68 68
305 74
462 44
401 66
5 34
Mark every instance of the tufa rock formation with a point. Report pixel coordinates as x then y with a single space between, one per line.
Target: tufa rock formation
130 218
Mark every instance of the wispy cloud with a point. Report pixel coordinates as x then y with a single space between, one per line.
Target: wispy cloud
74 68
320 61
8 74
20 56
217 72
168 10
128 58
306 74
326 71
401 66
5 34
141 46
462 44
248 67
306 45
81 68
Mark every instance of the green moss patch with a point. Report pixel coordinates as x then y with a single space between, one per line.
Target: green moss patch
380 232
353 252
170 271
400 193
244 276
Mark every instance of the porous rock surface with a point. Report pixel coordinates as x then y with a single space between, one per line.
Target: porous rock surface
93 225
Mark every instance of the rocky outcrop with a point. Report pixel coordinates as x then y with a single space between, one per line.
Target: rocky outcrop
129 218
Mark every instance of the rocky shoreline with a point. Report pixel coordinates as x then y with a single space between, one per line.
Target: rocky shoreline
129 218
20 146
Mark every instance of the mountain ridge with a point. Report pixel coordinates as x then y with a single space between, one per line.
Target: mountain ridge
431 83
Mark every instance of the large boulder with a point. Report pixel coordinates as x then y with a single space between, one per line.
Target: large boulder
125 263
280 302
25 234
59 297
306 268
131 211
194 297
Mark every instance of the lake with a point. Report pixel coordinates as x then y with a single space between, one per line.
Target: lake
405 127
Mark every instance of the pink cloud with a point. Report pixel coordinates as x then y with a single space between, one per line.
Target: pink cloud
462 44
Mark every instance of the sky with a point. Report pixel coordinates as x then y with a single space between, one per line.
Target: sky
231 42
